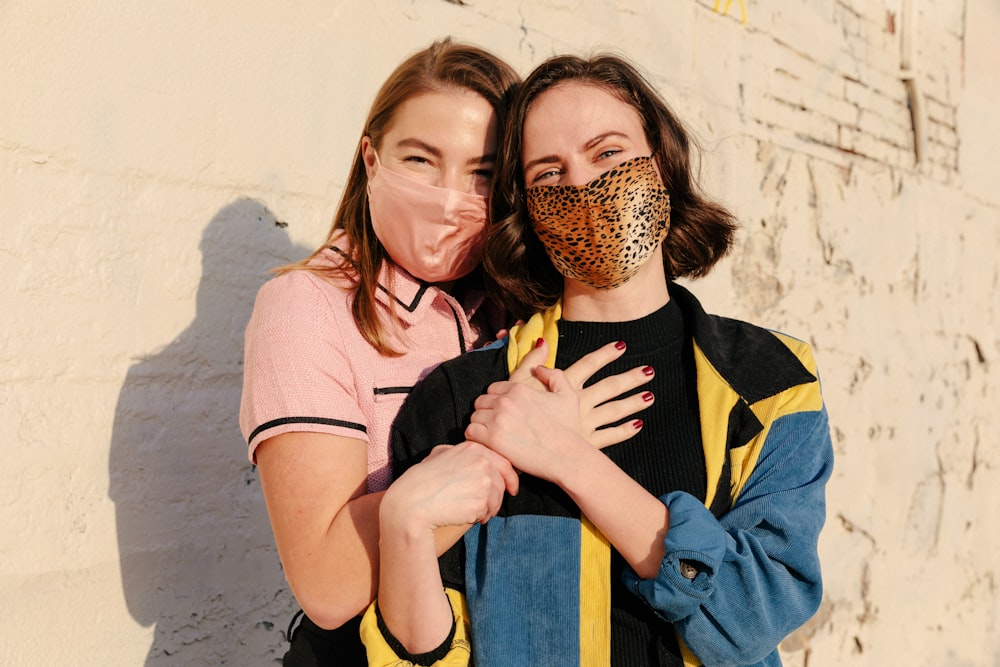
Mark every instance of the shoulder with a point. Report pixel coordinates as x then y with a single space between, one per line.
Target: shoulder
801 349
302 314
301 294
755 361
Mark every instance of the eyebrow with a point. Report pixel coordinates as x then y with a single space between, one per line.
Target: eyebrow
436 152
550 159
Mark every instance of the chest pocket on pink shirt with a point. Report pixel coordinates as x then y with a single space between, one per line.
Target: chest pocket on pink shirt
386 403
391 393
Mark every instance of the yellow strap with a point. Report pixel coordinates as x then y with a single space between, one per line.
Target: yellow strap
523 336
595 596
690 659
715 397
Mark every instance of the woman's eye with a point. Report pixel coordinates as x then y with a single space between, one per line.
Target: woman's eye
484 173
416 159
544 176
608 153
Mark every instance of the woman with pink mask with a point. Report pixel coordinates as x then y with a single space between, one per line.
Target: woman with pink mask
337 340
693 543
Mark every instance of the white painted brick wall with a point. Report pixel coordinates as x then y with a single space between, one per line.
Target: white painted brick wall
156 159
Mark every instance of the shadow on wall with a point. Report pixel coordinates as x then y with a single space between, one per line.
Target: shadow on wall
197 556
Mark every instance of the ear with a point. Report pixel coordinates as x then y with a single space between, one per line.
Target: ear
368 156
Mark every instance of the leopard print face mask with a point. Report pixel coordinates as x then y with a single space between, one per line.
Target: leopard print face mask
601 233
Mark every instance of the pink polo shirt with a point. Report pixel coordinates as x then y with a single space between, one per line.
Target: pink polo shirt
307 367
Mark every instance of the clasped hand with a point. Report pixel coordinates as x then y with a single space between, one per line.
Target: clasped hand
540 416
532 422
454 486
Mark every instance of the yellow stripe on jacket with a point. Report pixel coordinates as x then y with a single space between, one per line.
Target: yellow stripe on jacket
595 550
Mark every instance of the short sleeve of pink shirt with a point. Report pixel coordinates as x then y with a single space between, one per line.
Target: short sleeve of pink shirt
297 372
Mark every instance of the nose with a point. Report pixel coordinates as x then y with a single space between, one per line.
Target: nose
452 181
455 179
578 172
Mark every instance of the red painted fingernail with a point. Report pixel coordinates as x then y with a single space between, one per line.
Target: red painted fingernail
637 424
538 343
620 345
648 370
648 396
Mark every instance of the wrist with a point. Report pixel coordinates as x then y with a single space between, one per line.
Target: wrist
402 521
576 463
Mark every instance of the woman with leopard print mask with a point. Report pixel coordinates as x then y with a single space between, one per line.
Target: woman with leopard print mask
694 542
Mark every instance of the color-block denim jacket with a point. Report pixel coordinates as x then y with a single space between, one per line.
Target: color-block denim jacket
732 587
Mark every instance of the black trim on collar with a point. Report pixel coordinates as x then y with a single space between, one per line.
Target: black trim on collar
412 306
458 327
409 307
752 360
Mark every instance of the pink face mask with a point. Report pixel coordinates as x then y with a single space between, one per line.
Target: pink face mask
435 234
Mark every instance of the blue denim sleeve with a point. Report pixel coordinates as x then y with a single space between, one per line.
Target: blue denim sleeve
756 572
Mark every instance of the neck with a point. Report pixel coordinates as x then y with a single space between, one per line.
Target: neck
446 287
644 293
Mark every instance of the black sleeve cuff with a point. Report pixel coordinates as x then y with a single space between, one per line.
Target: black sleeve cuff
428 658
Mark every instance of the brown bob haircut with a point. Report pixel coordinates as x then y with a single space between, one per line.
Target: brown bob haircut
519 272
443 65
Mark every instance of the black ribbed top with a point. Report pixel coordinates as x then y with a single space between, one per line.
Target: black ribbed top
666 455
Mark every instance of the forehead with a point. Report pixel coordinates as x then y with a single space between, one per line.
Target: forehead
445 112
570 114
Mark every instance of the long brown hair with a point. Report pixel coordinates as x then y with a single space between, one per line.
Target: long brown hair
518 270
442 65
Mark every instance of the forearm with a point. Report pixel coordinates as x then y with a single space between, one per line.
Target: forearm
336 579
632 519
757 568
334 575
724 588
411 594
435 500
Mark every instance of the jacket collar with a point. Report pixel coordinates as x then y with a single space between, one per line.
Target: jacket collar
754 362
